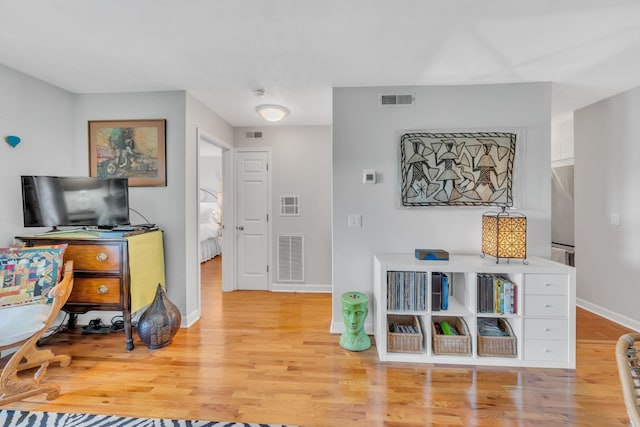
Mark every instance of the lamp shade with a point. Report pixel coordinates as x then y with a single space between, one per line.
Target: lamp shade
272 112
504 235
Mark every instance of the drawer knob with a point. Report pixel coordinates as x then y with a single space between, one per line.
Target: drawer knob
102 257
548 284
547 329
547 305
102 289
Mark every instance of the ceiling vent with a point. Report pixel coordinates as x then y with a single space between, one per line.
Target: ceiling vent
396 99
253 135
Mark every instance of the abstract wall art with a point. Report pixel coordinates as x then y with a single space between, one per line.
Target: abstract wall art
133 149
457 168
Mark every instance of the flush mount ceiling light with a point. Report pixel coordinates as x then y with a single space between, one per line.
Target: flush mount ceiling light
272 112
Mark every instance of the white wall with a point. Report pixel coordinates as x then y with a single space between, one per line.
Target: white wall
606 171
157 204
210 174
42 116
562 143
300 165
366 136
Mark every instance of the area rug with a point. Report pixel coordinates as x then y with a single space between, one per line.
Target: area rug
55 419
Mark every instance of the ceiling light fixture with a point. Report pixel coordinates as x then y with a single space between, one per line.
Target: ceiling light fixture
272 112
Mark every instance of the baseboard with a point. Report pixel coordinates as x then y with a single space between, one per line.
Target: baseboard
301 288
609 315
189 320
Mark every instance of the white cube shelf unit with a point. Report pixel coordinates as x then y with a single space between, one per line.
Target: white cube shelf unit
543 322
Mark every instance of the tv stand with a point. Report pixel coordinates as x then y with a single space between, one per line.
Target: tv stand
119 273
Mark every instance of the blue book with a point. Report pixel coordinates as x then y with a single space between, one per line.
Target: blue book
445 292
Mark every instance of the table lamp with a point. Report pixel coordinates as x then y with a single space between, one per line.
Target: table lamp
504 235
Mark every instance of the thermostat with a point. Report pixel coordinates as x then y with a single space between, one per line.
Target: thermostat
369 176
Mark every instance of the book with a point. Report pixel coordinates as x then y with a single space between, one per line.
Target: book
445 292
432 254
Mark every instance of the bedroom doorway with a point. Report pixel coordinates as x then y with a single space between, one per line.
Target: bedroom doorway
214 214
210 196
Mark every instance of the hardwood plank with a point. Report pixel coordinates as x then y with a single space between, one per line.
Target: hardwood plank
268 357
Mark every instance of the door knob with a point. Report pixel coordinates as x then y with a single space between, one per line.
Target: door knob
241 227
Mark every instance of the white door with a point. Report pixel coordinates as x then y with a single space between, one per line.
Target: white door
252 220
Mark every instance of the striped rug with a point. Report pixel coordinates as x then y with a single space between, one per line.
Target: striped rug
55 419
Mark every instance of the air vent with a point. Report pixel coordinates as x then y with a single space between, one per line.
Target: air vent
396 99
289 205
290 257
251 135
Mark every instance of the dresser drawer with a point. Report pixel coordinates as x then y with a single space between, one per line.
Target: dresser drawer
546 284
546 329
95 290
546 350
546 305
94 257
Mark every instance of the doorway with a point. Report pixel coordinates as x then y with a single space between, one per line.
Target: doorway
215 208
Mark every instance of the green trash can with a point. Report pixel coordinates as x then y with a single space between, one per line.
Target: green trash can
355 306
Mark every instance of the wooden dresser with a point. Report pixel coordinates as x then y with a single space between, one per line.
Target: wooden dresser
118 273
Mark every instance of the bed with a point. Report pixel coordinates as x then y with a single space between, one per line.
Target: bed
210 227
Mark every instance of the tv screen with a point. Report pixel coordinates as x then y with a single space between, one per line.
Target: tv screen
51 201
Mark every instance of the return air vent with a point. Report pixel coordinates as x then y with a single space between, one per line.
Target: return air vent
290 257
251 135
289 205
396 99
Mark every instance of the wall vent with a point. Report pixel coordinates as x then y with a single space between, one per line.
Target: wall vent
290 205
290 257
251 135
396 99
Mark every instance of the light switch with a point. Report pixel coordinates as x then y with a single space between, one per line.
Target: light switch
354 221
615 219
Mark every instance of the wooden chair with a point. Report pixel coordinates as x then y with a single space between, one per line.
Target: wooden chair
628 362
23 326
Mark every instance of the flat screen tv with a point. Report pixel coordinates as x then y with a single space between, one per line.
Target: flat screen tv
53 201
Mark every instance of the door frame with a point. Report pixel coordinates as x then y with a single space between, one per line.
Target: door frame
228 214
269 212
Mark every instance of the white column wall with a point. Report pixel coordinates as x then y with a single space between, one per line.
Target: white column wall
366 136
606 174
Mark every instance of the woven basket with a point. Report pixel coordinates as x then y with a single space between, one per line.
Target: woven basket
498 346
403 342
456 345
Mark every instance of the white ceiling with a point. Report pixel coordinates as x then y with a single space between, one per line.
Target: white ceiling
297 50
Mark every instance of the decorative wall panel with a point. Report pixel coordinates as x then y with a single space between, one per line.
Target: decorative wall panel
457 168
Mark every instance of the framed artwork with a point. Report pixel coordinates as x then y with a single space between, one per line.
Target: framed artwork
457 168
129 148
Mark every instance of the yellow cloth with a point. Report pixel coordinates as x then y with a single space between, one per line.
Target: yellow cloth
146 262
146 267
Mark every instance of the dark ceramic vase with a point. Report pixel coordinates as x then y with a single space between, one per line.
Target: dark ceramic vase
160 321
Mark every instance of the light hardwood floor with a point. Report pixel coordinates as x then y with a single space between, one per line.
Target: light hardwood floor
268 357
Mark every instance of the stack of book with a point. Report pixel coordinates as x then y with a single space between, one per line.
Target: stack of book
406 290
400 328
497 294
